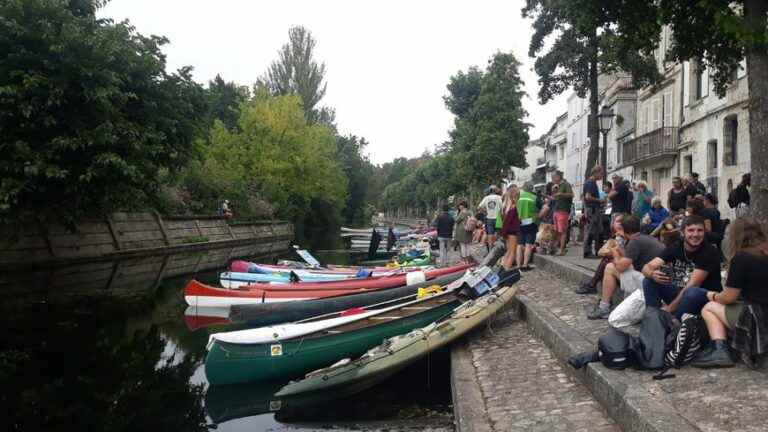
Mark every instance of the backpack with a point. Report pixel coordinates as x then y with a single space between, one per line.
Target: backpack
471 224
733 199
613 350
683 343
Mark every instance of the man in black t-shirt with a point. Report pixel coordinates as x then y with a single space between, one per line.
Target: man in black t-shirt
684 272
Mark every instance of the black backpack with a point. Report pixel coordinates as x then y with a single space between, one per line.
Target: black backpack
613 349
685 341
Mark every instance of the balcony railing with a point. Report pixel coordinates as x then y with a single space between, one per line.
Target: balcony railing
658 143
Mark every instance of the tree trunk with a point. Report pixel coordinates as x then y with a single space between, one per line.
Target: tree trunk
757 76
592 127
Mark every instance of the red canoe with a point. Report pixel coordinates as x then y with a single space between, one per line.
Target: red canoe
199 294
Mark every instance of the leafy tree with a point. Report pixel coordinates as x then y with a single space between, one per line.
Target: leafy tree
489 134
89 118
586 43
359 172
224 100
296 71
719 33
277 157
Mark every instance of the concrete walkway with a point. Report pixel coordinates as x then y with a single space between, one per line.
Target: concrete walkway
696 400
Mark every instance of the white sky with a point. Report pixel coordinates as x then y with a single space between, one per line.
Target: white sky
387 63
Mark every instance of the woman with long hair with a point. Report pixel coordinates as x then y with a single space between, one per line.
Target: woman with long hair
745 285
510 229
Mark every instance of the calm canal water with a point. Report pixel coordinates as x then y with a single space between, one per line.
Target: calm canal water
107 348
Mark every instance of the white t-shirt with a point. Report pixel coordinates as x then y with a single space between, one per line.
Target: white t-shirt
492 203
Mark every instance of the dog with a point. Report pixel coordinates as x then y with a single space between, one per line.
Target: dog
546 239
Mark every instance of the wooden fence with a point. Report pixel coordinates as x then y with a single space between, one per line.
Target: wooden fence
122 234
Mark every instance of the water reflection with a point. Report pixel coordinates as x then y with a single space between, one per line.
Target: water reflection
105 346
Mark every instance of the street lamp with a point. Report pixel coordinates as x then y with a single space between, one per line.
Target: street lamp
606 121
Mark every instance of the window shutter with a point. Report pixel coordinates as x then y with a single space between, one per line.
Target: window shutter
656 114
668 108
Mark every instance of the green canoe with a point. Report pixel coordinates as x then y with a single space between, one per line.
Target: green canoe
398 352
230 363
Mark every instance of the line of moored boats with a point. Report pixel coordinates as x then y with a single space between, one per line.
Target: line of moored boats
337 326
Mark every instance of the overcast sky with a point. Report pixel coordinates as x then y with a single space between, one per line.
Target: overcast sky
387 63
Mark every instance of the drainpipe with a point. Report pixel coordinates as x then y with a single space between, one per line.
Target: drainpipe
682 114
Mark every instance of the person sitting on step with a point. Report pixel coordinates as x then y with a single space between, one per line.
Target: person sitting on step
684 272
590 286
627 262
745 285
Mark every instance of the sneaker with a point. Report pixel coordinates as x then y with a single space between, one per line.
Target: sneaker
717 356
599 313
526 268
586 288
591 256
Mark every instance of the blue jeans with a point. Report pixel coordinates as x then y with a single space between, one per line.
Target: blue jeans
694 298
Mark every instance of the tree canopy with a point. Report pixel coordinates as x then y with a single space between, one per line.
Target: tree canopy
89 117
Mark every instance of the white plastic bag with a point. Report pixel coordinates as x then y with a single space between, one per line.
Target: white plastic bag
628 312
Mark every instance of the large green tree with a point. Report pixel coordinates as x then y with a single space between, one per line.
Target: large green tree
359 172
490 133
584 44
274 156
719 33
296 71
89 117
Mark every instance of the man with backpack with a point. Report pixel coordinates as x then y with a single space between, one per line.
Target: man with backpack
528 212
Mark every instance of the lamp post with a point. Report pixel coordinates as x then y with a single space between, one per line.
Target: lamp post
606 121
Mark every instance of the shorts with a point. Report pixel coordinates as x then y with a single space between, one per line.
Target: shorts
528 234
630 281
732 313
561 221
490 226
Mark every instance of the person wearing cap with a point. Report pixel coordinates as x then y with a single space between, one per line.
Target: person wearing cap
563 193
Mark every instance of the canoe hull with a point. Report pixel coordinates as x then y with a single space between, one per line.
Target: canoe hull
399 352
234 363
279 312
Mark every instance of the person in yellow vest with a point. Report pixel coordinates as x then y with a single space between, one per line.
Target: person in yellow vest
528 211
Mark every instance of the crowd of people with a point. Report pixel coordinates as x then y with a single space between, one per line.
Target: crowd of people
669 257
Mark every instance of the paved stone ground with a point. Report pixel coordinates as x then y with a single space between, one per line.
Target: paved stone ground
525 388
733 399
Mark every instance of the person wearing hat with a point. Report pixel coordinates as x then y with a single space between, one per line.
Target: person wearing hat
592 208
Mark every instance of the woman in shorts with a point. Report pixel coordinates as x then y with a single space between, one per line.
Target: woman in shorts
745 285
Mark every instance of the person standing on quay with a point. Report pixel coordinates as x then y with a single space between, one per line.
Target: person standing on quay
510 229
678 197
593 211
491 203
462 232
528 212
564 200
444 224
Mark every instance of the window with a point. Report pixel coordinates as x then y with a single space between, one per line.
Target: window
712 156
730 140
641 120
688 164
656 122
561 151
698 80
667 108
